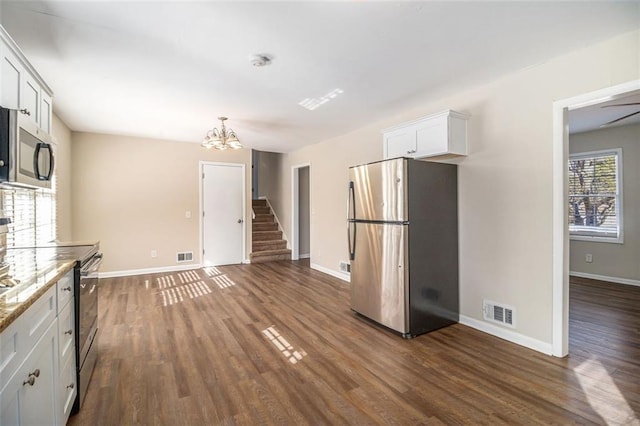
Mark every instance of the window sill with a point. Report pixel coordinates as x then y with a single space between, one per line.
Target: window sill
596 239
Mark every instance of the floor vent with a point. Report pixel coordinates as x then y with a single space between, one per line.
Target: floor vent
187 256
345 267
499 313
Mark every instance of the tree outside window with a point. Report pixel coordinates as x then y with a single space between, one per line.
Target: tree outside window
595 196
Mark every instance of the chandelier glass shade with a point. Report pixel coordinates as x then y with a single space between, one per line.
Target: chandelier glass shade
221 139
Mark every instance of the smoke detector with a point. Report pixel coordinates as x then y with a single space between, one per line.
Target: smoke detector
260 60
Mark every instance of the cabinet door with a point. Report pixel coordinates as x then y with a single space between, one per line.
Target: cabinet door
30 98
400 143
11 72
29 397
45 112
432 137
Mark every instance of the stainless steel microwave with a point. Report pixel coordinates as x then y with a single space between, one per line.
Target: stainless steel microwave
26 154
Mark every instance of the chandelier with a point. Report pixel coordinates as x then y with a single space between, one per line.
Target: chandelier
223 139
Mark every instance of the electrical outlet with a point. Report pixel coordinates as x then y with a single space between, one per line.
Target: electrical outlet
588 258
187 214
154 254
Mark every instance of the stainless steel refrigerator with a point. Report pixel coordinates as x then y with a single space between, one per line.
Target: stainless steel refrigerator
402 224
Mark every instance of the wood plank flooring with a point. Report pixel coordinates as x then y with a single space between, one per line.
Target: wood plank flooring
276 343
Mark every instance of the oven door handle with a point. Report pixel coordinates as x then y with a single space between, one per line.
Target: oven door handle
92 266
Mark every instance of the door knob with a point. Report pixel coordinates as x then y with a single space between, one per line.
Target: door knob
240 220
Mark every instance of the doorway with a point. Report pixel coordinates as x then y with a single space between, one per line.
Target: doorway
560 338
301 212
222 213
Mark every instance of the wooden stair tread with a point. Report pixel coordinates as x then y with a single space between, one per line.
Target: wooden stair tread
271 252
267 244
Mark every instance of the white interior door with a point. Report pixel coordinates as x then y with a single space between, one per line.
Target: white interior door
223 214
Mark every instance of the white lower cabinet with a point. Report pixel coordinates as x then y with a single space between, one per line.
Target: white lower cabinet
38 361
29 396
67 391
66 385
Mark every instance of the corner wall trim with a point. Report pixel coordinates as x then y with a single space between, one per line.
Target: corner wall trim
131 272
626 281
509 335
341 275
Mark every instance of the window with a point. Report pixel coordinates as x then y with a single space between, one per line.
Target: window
595 196
33 216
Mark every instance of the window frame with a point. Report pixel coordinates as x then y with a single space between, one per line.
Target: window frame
591 235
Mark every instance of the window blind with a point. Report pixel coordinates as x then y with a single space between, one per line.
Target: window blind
32 214
595 194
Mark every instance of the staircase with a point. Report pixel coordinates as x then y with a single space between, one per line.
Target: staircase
267 245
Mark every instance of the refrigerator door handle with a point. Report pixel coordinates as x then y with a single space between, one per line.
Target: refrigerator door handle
351 203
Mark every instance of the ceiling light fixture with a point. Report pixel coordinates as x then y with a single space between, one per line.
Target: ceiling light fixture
223 139
260 60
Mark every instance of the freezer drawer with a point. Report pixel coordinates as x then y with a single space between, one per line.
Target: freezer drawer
379 191
379 278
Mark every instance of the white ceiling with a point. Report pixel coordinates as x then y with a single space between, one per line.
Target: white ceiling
168 69
602 114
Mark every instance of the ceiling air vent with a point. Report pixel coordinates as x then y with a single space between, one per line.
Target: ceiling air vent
186 256
498 313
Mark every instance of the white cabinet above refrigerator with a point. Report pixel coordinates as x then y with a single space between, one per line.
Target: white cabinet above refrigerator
441 134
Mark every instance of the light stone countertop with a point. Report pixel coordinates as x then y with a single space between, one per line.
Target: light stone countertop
35 276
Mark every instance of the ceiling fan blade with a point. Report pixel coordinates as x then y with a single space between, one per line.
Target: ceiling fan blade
618 105
620 119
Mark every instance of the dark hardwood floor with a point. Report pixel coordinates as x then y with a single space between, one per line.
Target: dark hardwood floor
276 343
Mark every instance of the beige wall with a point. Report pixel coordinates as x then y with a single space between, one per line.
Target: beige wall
304 213
62 139
132 195
505 184
268 176
614 260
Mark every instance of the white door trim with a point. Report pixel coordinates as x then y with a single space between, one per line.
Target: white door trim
201 165
295 208
560 324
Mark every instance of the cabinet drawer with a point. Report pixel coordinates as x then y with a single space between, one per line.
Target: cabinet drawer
65 290
10 352
66 334
38 318
17 340
67 390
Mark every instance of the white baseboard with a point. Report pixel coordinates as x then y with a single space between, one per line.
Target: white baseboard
341 275
304 256
130 272
509 335
616 280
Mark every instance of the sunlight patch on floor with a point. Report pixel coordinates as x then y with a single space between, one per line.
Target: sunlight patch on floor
173 292
211 271
283 345
603 395
216 275
188 276
223 281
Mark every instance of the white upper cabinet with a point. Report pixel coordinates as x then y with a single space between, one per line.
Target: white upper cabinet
30 98
11 74
21 87
441 134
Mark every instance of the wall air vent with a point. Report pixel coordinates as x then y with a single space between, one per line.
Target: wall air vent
186 256
499 313
345 267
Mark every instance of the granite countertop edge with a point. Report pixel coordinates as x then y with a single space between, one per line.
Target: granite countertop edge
10 312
